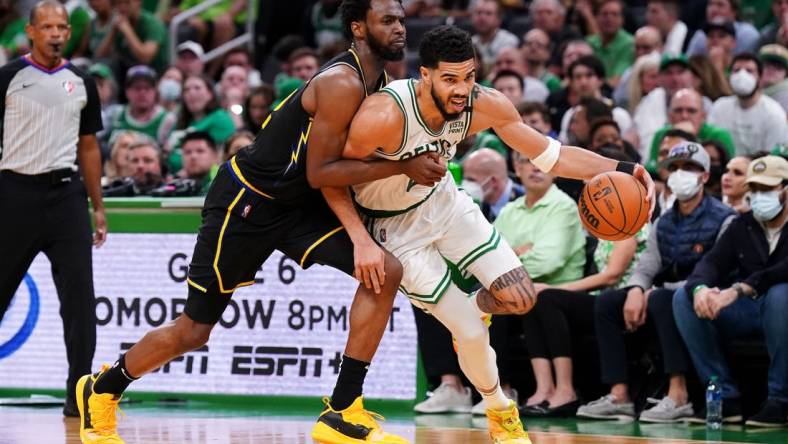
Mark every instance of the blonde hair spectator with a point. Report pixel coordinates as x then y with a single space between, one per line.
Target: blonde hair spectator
644 78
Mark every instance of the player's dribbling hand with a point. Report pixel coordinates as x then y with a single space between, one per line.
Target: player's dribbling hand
369 264
425 169
645 178
100 233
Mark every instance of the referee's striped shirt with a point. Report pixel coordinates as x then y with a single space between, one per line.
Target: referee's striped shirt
43 114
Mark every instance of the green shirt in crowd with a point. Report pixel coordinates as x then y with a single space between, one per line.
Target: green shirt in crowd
552 82
553 226
486 139
148 28
707 132
217 123
79 19
13 35
605 248
618 55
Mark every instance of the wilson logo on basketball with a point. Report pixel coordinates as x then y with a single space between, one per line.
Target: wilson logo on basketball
590 218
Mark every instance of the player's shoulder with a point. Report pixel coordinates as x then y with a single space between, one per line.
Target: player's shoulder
484 97
339 78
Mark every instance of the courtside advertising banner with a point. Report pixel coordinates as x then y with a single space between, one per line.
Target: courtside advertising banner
283 336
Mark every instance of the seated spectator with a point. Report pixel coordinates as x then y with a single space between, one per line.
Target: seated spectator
550 17
651 113
117 165
537 116
707 80
170 89
189 58
304 63
718 158
756 121
200 159
485 179
687 106
664 15
647 41
753 254
258 107
721 44
577 121
238 140
99 26
12 30
105 85
240 56
511 59
777 31
200 112
79 21
775 72
535 50
488 36
665 197
644 79
604 133
145 159
678 241
734 184
725 10
567 309
585 77
142 114
571 51
613 45
136 37
510 84
543 227
234 90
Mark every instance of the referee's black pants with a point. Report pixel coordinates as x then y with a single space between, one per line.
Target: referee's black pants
41 217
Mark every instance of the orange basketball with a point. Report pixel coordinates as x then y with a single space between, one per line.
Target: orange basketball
613 206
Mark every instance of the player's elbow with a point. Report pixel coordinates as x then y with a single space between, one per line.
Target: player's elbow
315 177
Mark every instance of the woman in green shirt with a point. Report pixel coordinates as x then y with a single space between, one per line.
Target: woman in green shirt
200 112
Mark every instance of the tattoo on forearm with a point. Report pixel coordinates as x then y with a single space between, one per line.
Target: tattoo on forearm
512 292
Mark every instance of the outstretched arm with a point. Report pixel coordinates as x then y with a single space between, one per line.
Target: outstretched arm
493 110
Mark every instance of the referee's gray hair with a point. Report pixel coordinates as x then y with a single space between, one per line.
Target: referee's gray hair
554 3
45 4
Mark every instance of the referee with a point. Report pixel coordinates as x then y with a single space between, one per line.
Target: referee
49 119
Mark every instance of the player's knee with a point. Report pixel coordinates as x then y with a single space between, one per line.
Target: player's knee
190 335
472 334
393 269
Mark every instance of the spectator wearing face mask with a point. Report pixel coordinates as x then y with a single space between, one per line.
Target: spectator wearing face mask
486 180
677 242
170 89
753 254
755 121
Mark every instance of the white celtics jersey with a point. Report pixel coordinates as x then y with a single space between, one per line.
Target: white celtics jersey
397 194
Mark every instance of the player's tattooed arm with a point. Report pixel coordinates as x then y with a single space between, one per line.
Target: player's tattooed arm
512 293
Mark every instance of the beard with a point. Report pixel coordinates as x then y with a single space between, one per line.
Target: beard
447 116
384 52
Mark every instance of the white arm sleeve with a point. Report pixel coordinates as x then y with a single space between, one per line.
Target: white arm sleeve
549 156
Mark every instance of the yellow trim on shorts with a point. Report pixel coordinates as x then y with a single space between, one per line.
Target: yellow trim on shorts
219 247
196 285
243 180
318 242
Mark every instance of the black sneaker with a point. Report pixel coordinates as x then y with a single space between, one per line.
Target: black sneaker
70 408
773 414
731 413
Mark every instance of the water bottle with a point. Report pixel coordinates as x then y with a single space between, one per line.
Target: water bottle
714 404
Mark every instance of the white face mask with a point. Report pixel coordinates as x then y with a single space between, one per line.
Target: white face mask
169 90
475 189
684 184
766 205
743 83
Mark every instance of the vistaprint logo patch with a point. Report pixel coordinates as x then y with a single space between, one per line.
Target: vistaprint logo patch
20 319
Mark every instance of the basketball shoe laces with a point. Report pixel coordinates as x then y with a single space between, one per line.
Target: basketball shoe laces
103 412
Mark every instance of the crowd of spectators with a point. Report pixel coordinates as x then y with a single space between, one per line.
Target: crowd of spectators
695 90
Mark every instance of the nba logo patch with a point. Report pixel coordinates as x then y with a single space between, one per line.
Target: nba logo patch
68 86
383 235
246 211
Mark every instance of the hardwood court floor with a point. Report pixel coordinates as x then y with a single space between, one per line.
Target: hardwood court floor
186 425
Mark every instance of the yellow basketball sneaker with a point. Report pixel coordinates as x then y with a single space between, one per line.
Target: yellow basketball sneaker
506 427
352 425
97 412
486 318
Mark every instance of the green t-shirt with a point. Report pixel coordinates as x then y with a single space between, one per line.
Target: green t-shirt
553 226
552 82
487 139
605 248
148 28
13 35
218 9
707 132
618 55
217 123
79 19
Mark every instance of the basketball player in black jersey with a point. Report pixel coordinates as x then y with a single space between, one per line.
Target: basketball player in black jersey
265 198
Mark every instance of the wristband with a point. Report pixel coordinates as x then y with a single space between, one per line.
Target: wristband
626 167
697 289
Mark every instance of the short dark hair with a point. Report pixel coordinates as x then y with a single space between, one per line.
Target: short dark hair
445 44
750 57
528 108
595 109
304 51
199 135
509 73
675 132
599 122
669 4
602 3
353 11
589 61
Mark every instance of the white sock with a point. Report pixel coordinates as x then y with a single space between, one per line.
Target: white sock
495 400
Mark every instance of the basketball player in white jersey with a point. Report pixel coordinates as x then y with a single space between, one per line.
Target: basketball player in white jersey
426 226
